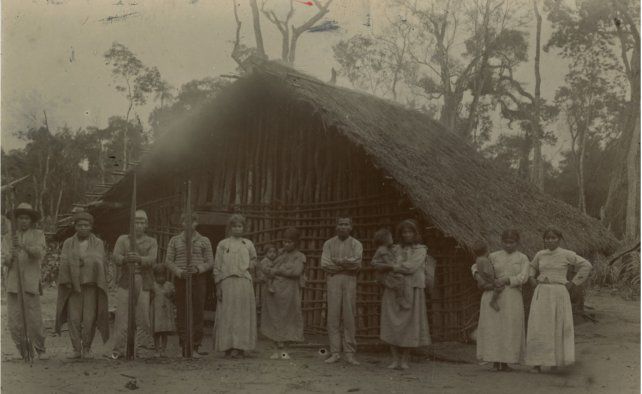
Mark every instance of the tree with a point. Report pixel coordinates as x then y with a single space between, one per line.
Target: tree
613 26
450 75
562 181
290 33
590 102
378 63
517 103
417 59
136 82
190 96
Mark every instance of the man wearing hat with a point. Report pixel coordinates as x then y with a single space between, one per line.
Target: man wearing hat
27 248
82 287
141 260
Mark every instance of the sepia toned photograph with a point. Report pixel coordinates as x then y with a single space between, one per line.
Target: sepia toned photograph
320 196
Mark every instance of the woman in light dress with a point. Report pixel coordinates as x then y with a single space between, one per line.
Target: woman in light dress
405 327
551 339
500 333
235 325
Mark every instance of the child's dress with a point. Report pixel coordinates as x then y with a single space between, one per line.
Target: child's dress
163 308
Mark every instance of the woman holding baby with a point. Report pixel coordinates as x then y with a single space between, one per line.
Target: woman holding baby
404 322
500 332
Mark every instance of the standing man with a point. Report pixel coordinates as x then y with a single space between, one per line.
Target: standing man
27 249
142 261
341 260
82 288
202 263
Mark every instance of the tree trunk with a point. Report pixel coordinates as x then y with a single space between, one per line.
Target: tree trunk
285 46
257 28
57 210
632 223
449 114
581 204
101 161
43 188
36 198
471 123
292 51
126 136
626 175
537 175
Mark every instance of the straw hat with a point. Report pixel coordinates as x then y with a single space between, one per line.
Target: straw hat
26 209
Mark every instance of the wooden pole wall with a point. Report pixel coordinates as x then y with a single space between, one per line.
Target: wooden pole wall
284 168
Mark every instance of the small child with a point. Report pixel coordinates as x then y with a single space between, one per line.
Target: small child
162 309
385 256
486 272
268 262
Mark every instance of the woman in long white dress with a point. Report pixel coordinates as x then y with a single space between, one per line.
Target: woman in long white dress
500 333
235 325
550 340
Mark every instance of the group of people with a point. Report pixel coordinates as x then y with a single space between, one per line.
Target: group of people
402 270
549 340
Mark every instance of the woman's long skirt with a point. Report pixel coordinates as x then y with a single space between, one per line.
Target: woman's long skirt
281 316
235 325
500 334
550 339
404 327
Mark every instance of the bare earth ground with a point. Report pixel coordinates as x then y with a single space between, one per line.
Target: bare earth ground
608 355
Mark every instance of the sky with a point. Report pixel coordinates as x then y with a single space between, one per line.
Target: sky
52 52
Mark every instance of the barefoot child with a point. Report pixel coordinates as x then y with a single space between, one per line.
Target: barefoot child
486 277
384 258
163 309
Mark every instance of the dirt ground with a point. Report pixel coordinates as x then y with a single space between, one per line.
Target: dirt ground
608 355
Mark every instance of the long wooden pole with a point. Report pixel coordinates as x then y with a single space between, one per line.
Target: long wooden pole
26 348
130 353
188 276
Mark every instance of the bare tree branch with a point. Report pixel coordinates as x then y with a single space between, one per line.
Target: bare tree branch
237 42
517 86
297 31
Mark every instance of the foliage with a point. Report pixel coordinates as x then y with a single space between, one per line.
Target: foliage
189 97
133 78
50 265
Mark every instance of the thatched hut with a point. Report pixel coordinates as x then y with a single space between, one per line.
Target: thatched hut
286 150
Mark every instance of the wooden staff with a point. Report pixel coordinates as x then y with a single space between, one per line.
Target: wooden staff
25 345
188 276
130 353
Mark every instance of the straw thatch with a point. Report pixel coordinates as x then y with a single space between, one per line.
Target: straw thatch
459 191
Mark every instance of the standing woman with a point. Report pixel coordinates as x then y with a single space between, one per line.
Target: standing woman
500 333
82 287
402 327
235 326
550 341
281 317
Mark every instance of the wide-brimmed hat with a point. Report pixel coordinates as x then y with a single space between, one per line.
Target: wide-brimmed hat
25 208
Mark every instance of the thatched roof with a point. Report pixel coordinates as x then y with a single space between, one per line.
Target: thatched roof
459 191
